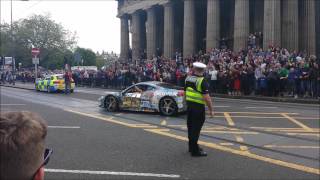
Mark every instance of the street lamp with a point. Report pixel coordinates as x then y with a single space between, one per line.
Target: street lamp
12 48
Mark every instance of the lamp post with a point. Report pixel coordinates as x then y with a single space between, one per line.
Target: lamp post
12 48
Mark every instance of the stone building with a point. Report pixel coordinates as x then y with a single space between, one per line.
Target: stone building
188 26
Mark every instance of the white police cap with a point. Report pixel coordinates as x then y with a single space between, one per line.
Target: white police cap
199 65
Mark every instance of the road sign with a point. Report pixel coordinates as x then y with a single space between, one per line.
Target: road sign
35 52
8 60
35 60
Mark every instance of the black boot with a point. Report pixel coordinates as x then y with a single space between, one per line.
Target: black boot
199 154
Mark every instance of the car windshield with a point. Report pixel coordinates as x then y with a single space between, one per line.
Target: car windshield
170 86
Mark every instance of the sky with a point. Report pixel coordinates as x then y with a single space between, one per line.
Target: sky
94 21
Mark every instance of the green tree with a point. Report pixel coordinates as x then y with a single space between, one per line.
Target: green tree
5 39
87 55
41 32
100 61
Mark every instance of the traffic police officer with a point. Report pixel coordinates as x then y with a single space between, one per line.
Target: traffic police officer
197 95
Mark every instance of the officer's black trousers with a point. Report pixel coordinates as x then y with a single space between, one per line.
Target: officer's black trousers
196 118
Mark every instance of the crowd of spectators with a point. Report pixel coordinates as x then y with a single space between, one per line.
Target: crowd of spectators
251 71
24 75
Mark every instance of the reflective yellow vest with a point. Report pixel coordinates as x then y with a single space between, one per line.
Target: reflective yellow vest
195 95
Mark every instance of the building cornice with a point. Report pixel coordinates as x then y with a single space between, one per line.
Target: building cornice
139 5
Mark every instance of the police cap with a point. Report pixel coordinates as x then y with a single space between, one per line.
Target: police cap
199 65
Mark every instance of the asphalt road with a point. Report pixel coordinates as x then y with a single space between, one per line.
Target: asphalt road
246 140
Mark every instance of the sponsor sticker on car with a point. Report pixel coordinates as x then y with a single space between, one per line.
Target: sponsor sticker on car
145 104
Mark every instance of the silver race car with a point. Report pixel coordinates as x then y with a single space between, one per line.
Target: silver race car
147 97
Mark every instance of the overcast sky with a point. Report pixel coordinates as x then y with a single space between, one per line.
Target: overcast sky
95 21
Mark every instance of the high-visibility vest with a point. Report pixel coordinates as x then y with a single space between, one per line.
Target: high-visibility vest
194 95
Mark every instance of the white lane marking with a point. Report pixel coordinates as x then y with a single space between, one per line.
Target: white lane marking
221 106
64 127
260 107
12 104
294 147
112 173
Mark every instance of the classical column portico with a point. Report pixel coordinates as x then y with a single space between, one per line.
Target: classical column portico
189 37
151 32
136 36
124 54
241 24
318 28
168 27
290 25
168 30
310 27
272 23
213 24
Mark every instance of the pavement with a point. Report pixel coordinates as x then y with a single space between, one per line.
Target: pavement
247 139
251 97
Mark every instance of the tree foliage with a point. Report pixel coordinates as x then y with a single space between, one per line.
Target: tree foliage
87 56
100 61
55 42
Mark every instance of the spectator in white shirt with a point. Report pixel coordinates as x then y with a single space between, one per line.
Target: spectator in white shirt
213 79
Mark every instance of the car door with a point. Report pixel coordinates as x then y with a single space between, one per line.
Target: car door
52 79
46 82
39 83
131 98
146 97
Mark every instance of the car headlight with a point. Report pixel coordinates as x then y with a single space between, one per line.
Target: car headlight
101 98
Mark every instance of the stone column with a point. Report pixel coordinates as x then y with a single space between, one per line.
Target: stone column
168 30
309 30
290 25
136 36
272 23
318 28
151 32
213 24
241 24
189 29
124 54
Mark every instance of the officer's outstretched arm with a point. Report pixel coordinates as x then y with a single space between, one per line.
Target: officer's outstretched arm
208 101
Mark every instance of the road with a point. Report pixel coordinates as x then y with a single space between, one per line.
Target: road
246 140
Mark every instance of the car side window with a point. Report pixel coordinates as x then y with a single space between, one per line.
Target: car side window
150 88
130 90
141 87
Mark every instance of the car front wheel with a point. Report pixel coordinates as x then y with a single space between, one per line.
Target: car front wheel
111 103
168 107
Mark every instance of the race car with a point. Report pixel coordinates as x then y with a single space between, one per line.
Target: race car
53 83
150 96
